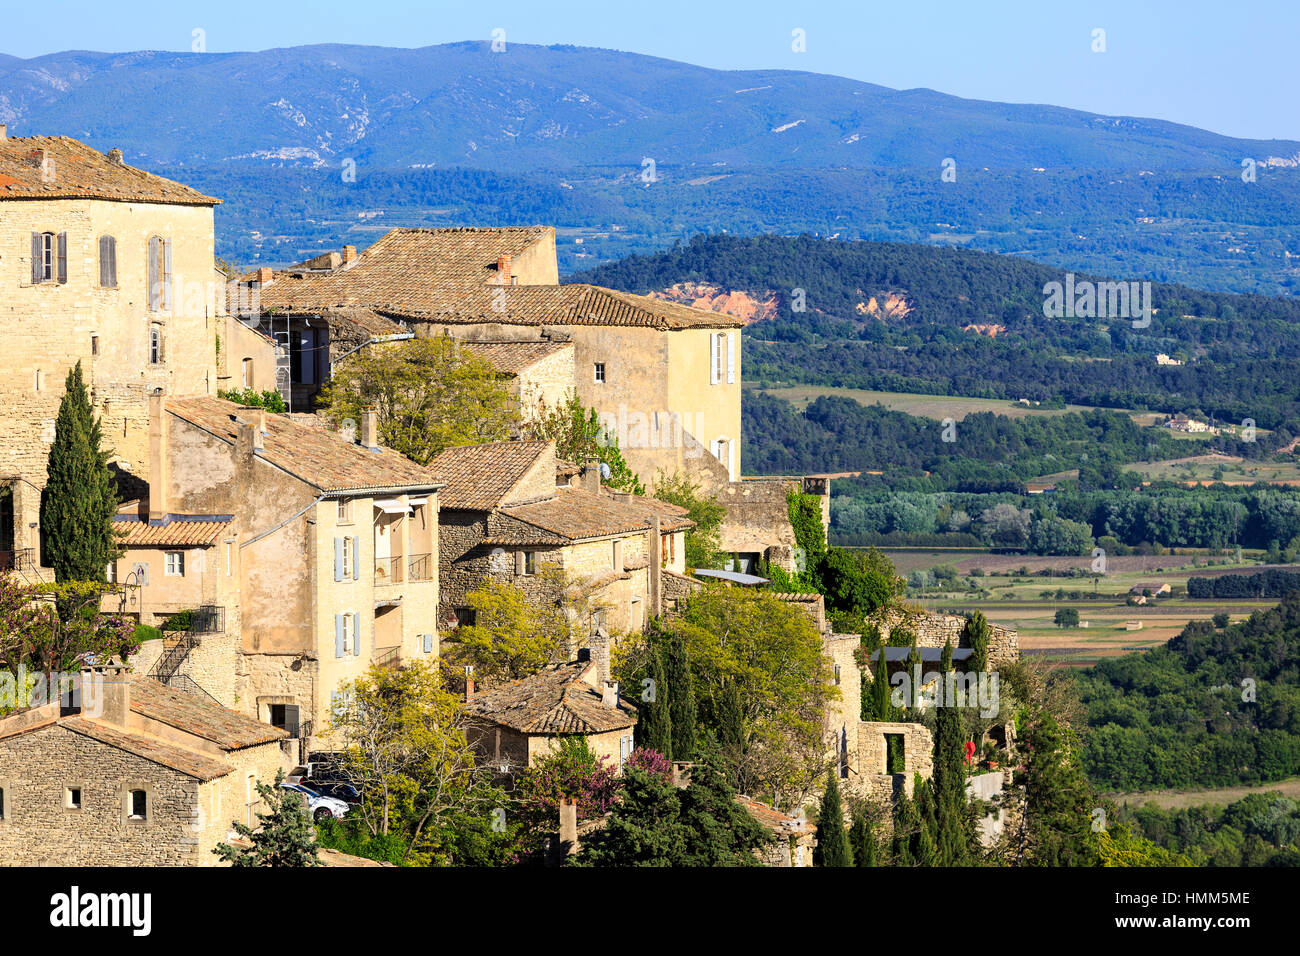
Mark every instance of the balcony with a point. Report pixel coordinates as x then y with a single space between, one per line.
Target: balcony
420 567
389 570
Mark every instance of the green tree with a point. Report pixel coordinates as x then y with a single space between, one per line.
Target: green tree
429 394
952 838
862 837
833 847
704 541
721 831
906 824
656 716
858 583
80 499
580 437
270 399
1067 617
681 698
978 633
512 635
283 835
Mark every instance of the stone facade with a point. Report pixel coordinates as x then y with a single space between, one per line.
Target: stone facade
934 630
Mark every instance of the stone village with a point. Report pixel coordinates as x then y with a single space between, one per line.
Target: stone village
305 554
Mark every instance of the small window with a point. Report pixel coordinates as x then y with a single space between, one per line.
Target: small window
349 634
230 558
73 798
465 617
616 558
247 378
348 558
139 805
720 358
110 572
157 345
530 562
600 371
345 511
94 345
175 566
2 803
837 675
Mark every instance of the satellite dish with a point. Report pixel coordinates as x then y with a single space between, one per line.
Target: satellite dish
604 471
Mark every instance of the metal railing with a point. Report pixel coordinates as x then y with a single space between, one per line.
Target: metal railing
421 567
389 570
388 657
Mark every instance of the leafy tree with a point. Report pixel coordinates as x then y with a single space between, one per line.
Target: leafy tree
656 723
404 748
270 399
858 583
579 437
512 636
704 541
80 499
1067 617
57 635
833 847
283 836
806 519
429 394
876 703
571 772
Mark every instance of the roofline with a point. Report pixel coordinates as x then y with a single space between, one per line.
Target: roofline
206 201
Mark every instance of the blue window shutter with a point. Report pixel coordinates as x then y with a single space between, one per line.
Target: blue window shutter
428 643
356 634
338 559
356 558
338 635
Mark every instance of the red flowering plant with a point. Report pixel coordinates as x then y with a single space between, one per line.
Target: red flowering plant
574 773
651 762
59 627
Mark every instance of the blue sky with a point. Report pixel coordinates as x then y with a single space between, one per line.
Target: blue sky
1226 68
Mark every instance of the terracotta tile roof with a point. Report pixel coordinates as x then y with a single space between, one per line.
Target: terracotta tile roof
511 358
189 762
318 456
175 531
774 820
72 170
402 266
566 469
228 729
534 305
577 514
480 477
556 701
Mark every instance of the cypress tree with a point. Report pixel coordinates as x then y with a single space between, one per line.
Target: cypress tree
283 837
949 782
904 831
80 499
862 837
881 706
681 698
658 733
979 631
832 842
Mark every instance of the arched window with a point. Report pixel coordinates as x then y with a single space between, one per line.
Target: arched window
157 350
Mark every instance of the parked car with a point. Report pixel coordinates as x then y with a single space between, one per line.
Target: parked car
318 805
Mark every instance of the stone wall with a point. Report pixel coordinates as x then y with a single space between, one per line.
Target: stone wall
934 630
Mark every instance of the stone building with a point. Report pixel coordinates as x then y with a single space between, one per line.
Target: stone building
333 559
509 513
513 725
108 265
149 777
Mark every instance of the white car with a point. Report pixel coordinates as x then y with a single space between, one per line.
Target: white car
318 805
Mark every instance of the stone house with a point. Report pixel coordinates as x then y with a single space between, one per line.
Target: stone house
513 725
333 563
108 265
149 776
540 374
509 513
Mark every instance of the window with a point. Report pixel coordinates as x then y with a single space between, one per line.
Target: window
230 558
110 572
107 262
175 564
160 274
600 371
895 754
157 353
722 358
72 798
137 805
286 717
349 634
2 803
525 562
837 675
49 257
465 616
349 559
94 345
247 377
345 511
616 558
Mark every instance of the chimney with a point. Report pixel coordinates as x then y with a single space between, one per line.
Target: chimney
504 264
598 651
264 276
656 566
370 429
112 689
115 157
609 696
568 828
4 132
253 419
591 476
349 255
159 477
469 683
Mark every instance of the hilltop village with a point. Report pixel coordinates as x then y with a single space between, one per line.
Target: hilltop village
273 558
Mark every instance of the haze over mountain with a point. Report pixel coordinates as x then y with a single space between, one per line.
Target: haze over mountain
457 133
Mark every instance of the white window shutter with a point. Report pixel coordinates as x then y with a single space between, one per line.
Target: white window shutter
338 635
167 275
356 634
731 358
713 359
338 559
356 558
731 459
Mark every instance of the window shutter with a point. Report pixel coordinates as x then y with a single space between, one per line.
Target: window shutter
338 635
519 562
152 281
356 634
63 258
338 559
38 253
167 275
103 261
112 261
731 458
731 358
428 643
356 558
713 359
